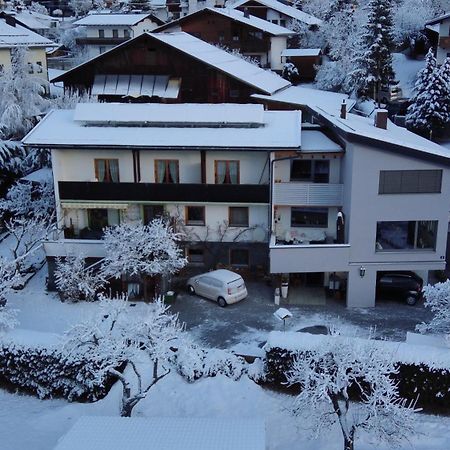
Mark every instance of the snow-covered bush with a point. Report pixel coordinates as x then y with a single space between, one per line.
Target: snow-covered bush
75 281
326 376
9 278
49 372
437 298
290 73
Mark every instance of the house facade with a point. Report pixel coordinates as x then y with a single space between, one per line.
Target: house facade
251 36
441 26
105 31
12 36
204 166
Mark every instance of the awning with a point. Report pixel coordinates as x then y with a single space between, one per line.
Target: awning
80 205
137 85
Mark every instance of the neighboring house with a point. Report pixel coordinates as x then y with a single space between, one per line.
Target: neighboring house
370 197
42 24
105 31
13 35
305 59
276 12
251 36
206 166
441 26
171 67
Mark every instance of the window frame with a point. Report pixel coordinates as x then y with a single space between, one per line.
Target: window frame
227 170
194 223
107 170
387 187
115 33
167 172
309 209
238 225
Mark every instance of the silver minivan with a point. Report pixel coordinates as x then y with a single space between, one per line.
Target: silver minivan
223 286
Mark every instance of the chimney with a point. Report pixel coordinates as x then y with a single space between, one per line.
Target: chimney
10 20
246 13
343 110
380 119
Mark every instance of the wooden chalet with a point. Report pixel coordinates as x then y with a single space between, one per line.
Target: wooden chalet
170 68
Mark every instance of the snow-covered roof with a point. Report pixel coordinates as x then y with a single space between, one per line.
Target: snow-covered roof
317 141
435 27
438 19
93 20
165 433
284 9
303 96
39 175
19 36
364 127
279 130
264 80
189 114
301 52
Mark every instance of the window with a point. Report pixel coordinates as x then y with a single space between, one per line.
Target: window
238 216
315 171
126 33
195 215
101 218
101 33
275 21
115 33
410 181
107 170
406 235
255 34
166 171
195 255
282 22
39 67
30 68
152 212
239 257
309 217
227 172
236 37
221 36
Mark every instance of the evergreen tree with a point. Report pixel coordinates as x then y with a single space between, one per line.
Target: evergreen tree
430 107
374 64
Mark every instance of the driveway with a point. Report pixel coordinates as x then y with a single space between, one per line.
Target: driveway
249 321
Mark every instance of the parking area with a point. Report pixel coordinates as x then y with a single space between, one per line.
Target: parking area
249 321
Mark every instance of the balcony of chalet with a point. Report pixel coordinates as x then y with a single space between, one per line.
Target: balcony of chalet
308 194
101 40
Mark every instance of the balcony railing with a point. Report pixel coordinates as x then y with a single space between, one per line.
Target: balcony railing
101 41
156 192
313 194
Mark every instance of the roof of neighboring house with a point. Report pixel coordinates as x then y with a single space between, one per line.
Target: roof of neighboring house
19 36
317 141
174 433
284 9
95 20
396 138
179 126
305 96
237 16
438 19
301 52
263 80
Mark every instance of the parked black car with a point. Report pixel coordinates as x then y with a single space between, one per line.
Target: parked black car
405 286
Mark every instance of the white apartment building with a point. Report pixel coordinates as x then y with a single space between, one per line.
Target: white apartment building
441 26
206 166
105 31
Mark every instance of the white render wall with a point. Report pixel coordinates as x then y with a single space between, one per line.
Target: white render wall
441 53
277 45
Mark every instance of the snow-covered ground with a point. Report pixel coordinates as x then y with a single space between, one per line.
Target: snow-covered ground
29 423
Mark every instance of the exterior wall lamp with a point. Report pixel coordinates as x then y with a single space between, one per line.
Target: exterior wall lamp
362 271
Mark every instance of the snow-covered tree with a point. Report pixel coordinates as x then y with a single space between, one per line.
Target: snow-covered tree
290 73
117 336
437 299
39 8
80 7
142 250
9 278
21 97
430 107
327 374
75 281
374 63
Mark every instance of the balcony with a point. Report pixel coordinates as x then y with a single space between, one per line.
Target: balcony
310 194
308 257
155 192
444 42
101 41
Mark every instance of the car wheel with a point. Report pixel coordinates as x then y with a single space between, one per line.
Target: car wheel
222 302
411 300
191 290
